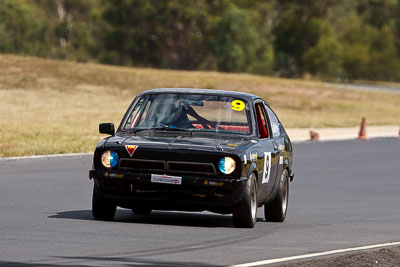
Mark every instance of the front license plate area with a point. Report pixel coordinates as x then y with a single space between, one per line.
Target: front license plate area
166 179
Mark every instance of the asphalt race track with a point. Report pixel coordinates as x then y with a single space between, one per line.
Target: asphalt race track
345 194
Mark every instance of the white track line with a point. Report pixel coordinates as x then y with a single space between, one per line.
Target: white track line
312 255
46 156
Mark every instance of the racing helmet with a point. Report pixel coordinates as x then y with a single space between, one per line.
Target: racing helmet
168 111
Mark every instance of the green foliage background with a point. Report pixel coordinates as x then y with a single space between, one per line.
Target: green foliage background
331 40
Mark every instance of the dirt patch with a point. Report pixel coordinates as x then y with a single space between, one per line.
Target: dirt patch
382 257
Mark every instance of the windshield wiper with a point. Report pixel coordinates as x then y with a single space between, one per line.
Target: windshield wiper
168 128
161 128
138 130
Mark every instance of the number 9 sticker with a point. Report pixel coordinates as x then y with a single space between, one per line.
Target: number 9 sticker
238 105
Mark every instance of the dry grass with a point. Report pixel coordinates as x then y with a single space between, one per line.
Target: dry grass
55 106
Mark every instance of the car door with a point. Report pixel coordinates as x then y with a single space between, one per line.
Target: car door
277 138
267 157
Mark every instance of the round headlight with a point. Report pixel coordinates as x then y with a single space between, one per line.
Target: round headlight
109 159
227 165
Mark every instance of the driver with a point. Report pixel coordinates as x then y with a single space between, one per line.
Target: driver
174 115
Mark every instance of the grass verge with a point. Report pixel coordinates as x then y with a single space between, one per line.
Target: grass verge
50 106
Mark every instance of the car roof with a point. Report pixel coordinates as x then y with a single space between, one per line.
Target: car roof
201 92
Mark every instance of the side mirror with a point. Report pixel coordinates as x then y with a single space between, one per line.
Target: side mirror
107 128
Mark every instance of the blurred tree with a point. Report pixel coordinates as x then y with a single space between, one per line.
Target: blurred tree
263 15
325 58
299 29
379 13
22 29
369 53
74 28
384 64
156 33
356 40
233 40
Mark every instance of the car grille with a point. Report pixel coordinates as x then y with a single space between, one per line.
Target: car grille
139 164
167 166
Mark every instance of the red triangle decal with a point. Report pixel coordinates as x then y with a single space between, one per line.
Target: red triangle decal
131 149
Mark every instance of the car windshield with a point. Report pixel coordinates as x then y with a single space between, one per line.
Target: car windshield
189 112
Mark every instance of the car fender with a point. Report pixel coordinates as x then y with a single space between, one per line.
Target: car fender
285 165
253 168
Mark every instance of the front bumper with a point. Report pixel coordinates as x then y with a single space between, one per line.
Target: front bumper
196 193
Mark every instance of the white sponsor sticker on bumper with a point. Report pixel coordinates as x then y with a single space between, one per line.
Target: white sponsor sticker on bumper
166 179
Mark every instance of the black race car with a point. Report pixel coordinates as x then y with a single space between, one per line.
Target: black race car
194 150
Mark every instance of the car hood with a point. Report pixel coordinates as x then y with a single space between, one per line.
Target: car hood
181 143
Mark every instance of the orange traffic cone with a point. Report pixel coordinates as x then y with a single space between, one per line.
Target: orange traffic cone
314 136
362 135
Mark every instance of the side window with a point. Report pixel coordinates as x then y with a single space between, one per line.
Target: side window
261 121
135 113
275 125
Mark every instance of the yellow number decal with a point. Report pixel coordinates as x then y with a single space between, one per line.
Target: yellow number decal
238 105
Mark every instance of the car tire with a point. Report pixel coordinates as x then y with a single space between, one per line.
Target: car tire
276 210
102 208
141 210
245 212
